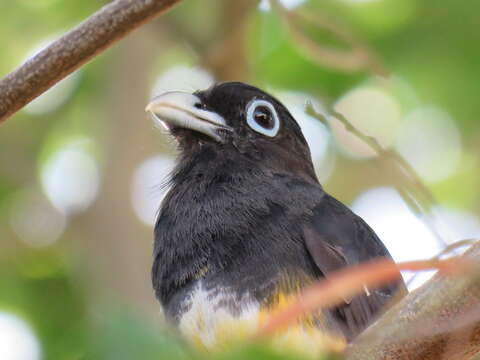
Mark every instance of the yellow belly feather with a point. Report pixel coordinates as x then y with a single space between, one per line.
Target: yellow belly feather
209 328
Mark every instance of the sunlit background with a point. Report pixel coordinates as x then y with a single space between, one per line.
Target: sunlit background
82 167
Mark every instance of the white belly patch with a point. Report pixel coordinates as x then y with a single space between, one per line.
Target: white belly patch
217 316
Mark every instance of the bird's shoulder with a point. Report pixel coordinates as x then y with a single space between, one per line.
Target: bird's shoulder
342 228
336 238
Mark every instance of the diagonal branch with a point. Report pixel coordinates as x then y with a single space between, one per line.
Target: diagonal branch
81 44
416 195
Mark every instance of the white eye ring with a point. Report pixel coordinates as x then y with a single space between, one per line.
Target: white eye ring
252 105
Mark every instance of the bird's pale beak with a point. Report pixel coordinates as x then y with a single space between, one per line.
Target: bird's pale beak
177 109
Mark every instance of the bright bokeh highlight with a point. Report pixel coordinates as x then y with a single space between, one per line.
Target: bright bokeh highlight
149 186
374 111
17 339
429 140
35 221
70 177
182 78
289 4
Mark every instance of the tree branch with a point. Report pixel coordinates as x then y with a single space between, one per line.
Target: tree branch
440 320
65 55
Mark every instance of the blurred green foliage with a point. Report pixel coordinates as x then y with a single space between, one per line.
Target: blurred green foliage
87 295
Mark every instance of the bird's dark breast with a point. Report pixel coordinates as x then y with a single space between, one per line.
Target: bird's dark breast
234 226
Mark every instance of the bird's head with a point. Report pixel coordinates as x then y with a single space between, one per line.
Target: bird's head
235 117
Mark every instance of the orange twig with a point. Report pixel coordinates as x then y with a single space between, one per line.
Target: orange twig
347 283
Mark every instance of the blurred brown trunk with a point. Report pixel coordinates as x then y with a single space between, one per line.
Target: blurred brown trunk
119 246
227 58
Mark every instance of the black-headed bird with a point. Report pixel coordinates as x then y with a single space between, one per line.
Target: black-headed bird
246 224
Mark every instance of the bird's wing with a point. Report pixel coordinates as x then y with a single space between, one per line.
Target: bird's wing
336 238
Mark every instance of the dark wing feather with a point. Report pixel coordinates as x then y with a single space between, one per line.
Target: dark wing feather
336 238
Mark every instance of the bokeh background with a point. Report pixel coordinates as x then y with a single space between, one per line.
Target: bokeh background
81 167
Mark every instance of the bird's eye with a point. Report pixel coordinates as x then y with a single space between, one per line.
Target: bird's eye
262 117
199 105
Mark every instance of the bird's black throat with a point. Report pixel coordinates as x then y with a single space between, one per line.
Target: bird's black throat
189 140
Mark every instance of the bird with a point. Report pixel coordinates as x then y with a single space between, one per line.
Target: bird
246 223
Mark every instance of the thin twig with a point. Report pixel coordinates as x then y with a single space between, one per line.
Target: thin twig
357 57
416 195
447 250
455 246
65 55
391 154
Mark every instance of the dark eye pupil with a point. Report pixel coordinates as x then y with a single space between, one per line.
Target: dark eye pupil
263 117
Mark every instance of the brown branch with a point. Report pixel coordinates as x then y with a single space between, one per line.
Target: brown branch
440 320
223 52
226 56
81 44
